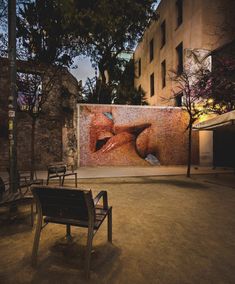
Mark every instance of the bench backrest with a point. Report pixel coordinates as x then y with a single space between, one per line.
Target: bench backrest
2 188
61 202
57 168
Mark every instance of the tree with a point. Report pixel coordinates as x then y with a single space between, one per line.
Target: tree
204 88
34 86
121 87
44 44
42 37
91 91
104 29
219 94
125 92
191 85
3 25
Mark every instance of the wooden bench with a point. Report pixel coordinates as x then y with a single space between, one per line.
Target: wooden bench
59 170
71 207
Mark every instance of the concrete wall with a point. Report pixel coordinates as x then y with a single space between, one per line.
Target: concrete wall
201 29
206 148
56 128
125 135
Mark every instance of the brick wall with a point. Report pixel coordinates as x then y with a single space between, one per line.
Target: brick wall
125 135
56 128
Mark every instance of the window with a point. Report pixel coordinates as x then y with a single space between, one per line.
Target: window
29 91
179 12
152 84
139 67
179 52
163 73
163 33
179 100
151 50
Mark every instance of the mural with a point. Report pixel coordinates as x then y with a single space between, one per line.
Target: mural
130 135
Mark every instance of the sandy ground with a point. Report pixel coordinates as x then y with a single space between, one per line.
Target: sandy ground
165 230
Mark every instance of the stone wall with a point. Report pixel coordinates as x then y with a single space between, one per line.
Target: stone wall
126 135
56 127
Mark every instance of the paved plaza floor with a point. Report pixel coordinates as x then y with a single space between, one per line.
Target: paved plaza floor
166 229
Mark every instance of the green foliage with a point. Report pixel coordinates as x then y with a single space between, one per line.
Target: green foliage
3 27
105 25
125 92
41 34
120 91
55 31
104 28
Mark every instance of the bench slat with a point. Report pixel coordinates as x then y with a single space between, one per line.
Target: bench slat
62 203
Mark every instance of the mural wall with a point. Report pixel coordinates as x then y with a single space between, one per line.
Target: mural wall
133 135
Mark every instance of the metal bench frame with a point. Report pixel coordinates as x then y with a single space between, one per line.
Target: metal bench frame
59 170
71 207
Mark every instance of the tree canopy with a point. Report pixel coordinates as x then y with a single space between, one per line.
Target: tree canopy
121 87
219 86
103 29
41 33
56 31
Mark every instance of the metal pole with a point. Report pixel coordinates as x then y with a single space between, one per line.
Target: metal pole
12 103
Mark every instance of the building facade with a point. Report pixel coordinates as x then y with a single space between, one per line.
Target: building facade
183 25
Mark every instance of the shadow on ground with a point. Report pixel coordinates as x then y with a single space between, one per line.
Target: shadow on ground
166 230
149 180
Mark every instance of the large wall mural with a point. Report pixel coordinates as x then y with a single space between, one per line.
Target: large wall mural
131 135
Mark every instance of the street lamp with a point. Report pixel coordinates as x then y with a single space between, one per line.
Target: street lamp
12 95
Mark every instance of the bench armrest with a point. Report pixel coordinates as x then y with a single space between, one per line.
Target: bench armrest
103 194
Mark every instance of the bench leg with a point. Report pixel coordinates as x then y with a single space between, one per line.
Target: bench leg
76 180
110 225
88 252
68 233
36 240
48 177
32 217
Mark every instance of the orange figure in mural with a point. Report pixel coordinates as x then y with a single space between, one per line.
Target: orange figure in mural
116 144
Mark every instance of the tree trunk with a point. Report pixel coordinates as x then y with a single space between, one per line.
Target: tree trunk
189 149
102 73
105 90
32 167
